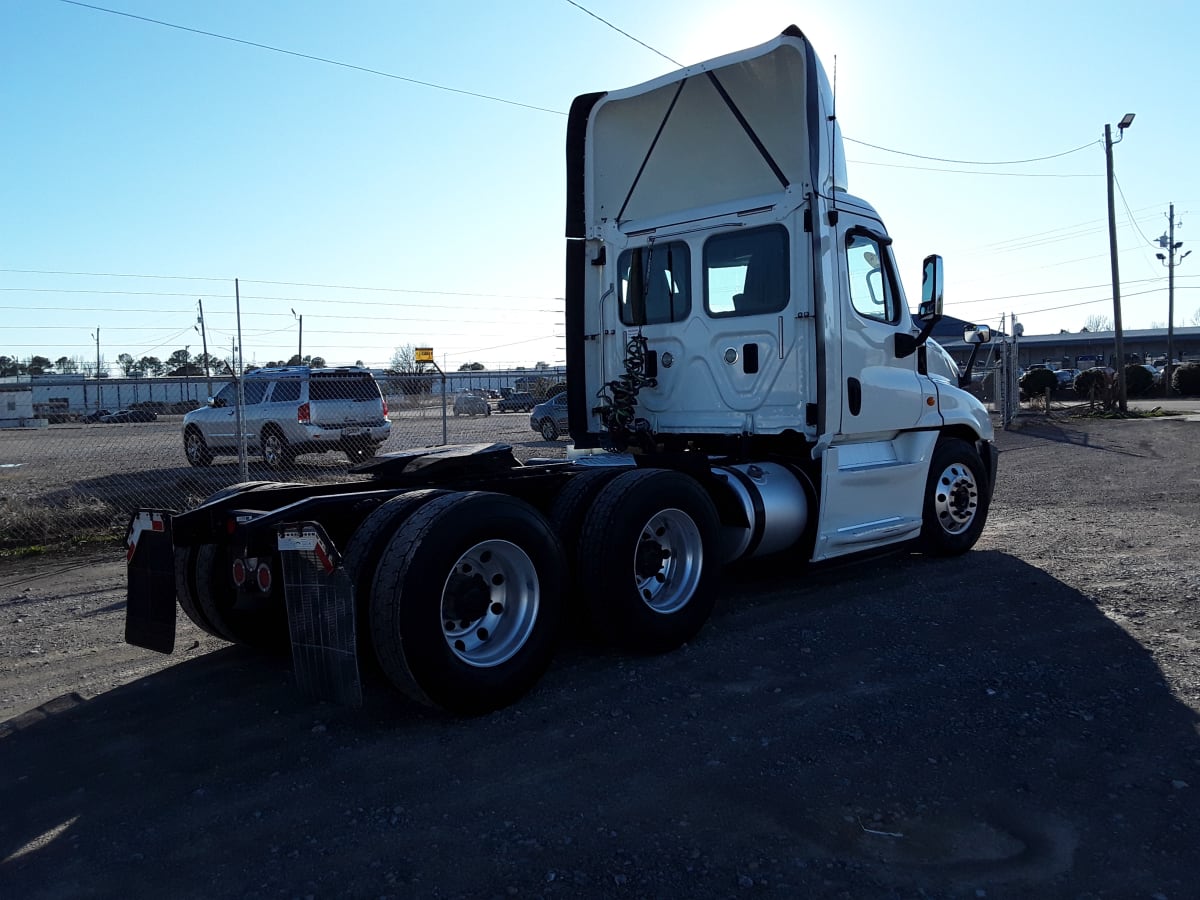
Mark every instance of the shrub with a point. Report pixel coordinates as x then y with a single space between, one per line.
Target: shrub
1092 383
1036 382
1186 379
1138 381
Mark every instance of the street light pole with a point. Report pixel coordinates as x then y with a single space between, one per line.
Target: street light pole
300 344
1125 122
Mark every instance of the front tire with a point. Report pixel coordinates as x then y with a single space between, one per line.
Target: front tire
650 559
195 449
466 604
549 430
956 499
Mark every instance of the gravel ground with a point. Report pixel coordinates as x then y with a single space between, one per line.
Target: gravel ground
1017 722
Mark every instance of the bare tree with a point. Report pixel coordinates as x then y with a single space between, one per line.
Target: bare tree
1195 319
404 360
1098 322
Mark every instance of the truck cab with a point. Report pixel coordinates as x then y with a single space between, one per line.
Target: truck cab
727 295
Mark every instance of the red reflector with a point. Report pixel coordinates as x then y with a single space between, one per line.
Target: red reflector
264 577
230 525
323 557
156 524
385 407
239 572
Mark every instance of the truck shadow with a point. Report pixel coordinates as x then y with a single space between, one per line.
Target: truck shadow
911 723
1033 431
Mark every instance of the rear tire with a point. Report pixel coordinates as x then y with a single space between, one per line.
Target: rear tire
185 590
217 597
567 515
649 559
549 430
956 499
467 602
275 450
363 552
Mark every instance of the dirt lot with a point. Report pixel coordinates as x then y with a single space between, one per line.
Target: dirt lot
1017 722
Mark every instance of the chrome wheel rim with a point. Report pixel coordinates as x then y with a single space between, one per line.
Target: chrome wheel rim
194 447
272 449
668 561
490 603
956 498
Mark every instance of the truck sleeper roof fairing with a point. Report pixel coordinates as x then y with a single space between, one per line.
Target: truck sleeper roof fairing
750 124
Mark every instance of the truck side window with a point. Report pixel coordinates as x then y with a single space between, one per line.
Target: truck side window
871 292
655 284
254 391
286 392
746 272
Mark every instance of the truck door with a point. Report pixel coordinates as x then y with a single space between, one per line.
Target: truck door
880 389
726 353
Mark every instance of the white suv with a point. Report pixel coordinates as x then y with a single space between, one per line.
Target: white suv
291 410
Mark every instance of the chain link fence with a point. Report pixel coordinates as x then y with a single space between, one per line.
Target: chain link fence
71 475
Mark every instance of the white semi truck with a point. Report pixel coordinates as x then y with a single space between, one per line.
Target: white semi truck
745 379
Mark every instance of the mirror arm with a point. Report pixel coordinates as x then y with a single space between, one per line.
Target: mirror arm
964 380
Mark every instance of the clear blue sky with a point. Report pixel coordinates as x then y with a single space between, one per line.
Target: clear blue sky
386 212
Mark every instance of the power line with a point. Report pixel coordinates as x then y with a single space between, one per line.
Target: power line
345 300
1084 287
625 33
971 162
863 162
1129 213
1055 234
340 287
312 57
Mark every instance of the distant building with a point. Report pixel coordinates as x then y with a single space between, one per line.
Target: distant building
1079 350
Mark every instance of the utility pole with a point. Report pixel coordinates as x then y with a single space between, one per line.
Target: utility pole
1167 242
204 340
97 337
240 372
1125 122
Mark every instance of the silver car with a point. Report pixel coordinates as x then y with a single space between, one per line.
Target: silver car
290 410
550 417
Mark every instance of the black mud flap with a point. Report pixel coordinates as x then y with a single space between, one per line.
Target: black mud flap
150 581
321 618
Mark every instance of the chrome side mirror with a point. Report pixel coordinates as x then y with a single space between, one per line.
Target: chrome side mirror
979 334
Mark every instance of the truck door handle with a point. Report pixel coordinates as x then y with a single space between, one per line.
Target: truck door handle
854 395
750 359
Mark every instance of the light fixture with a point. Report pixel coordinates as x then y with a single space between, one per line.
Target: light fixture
1126 121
